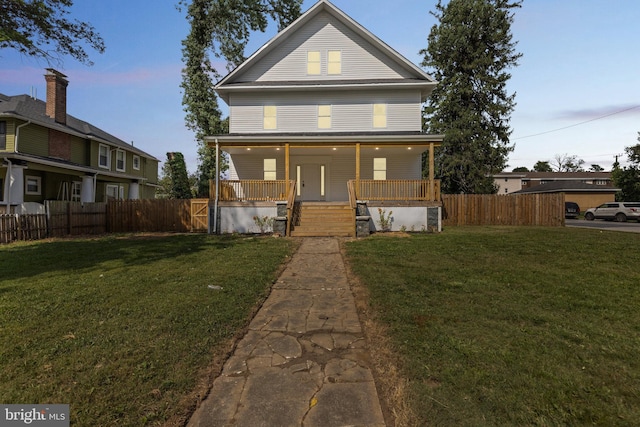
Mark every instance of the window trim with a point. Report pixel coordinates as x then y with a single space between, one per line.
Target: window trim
135 162
106 191
314 63
270 174
107 157
375 123
124 160
268 109
38 181
325 116
380 169
331 64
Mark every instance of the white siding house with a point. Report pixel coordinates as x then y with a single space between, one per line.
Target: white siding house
324 112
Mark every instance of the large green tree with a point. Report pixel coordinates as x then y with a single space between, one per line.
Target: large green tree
174 183
627 179
42 29
220 29
469 53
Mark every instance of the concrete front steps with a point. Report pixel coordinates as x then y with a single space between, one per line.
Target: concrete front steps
321 219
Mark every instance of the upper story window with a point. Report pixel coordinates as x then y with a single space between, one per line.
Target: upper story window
324 116
313 63
379 115
269 169
121 161
334 62
600 182
380 168
136 162
270 117
3 135
33 185
104 160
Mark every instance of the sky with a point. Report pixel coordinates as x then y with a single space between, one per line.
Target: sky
577 84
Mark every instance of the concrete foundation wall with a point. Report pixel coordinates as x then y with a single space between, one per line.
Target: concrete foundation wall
239 219
413 218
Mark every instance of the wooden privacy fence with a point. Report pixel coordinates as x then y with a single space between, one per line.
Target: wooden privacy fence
15 227
171 215
75 218
503 209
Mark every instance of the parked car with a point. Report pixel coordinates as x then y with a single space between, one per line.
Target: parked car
619 211
571 210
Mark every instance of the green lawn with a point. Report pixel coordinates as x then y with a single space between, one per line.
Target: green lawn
121 328
511 326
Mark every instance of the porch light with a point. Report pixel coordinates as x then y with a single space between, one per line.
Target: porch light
277 148
248 148
408 148
377 148
334 148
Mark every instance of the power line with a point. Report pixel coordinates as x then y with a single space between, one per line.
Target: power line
577 124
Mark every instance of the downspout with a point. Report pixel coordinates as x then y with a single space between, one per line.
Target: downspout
7 199
215 201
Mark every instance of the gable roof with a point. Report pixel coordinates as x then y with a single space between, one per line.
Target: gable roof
567 187
418 76
25 107
571 176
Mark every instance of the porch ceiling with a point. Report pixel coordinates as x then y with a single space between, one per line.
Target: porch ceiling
336 149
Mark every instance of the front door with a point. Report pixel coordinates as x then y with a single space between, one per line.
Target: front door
310 181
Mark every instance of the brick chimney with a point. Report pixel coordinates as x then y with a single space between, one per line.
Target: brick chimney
56 95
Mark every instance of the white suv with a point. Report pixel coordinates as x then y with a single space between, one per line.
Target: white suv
620 211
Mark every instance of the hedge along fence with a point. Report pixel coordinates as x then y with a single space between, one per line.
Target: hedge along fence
503 209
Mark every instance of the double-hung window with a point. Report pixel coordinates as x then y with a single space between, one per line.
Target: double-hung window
379 115
324 116
104 157
313 63
136 162
380 168
121 160
334 62
269 169
33 185
270 117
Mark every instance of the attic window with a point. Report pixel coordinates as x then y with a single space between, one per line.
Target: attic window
270 117
313 63
334 62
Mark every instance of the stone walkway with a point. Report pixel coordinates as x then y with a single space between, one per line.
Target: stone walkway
303 361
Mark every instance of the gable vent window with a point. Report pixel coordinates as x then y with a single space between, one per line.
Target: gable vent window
334 62
269 169
324 116
270 118
121 161
3 135
313 63
379 115
103 156
380 168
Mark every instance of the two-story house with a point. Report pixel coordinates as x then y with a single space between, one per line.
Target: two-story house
47 154
326 116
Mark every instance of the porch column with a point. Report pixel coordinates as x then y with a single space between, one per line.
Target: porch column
15 181
286 164
134 190
87 195
357 169
432 184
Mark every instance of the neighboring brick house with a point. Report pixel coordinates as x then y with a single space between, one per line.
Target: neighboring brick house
326 114
47 154
510 182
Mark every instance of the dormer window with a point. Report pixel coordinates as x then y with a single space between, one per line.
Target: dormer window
334 62
313 63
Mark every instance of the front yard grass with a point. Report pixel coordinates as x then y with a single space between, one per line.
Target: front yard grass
510 326
123 328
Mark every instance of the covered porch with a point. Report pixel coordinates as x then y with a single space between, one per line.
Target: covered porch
294 171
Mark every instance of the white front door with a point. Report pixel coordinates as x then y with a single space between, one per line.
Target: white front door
311 181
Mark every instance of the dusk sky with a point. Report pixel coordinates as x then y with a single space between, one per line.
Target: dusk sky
577 85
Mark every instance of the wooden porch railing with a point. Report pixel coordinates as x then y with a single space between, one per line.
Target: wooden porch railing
397 189
255 190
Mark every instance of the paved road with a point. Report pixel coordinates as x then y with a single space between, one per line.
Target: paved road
630 226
